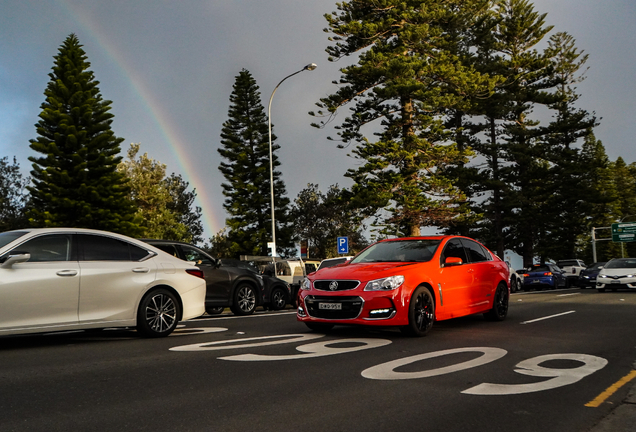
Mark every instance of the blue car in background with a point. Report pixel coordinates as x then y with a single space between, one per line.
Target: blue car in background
542 276
587 277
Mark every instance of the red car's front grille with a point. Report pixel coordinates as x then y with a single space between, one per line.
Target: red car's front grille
350 307
336 285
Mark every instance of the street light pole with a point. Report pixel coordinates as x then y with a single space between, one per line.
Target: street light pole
309 67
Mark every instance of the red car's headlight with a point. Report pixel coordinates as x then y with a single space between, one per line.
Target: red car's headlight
385 284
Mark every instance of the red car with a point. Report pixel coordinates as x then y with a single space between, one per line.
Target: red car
407 282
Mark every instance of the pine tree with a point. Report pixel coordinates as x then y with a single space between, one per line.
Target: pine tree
569 203
75 180
408 74
13 200
245 150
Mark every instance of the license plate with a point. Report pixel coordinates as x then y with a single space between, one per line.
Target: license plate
616 282
536 281
331 306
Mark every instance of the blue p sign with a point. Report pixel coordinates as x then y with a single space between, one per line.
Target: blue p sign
343 245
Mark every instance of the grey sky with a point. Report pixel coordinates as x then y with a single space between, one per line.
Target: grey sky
169 67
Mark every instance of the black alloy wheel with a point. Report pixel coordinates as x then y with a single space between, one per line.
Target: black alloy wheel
158 314
499 309
421 313
278 299
244 300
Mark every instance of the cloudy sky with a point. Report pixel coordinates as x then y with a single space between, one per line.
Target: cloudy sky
169 66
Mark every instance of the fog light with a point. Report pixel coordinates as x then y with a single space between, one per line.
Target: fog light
380 313
301 312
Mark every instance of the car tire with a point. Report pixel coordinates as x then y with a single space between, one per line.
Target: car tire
278 299
500 303
158 313
319 327
421 313
514 285
214 310
244 300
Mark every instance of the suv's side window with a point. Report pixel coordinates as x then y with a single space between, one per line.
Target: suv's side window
475 252
103 248
192 254
454 249
55 247
168 248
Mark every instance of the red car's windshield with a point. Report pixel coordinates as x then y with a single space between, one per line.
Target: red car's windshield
399 251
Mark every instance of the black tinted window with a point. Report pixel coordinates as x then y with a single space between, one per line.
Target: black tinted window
454 249
192 254
168 248
55 247
102 248
475 252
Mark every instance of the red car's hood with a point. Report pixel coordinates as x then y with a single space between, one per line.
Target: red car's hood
362 271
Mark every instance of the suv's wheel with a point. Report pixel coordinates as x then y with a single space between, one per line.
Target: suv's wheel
158 313
278 299
244 300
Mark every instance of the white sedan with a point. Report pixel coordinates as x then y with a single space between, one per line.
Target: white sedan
617 273
55 279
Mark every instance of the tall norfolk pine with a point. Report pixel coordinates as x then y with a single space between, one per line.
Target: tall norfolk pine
245 150
75 178
407 75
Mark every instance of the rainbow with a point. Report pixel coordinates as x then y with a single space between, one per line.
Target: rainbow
161 118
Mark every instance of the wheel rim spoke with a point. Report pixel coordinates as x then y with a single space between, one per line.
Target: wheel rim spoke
160 313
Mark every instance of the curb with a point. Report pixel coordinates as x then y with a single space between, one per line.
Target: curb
622 418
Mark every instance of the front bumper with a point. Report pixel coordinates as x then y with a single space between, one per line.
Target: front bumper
352 307
609 283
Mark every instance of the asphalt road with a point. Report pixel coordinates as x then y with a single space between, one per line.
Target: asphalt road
536 371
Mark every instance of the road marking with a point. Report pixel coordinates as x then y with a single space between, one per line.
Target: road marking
235 317
548 317
543 291
565 295
611 390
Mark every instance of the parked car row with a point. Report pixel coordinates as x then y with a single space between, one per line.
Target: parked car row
66 279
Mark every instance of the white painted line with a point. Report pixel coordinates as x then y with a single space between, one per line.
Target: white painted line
565 295
215 317
548 317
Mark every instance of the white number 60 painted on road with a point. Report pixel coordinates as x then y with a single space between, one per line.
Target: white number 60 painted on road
560 377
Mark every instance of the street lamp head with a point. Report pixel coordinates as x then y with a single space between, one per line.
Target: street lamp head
310 66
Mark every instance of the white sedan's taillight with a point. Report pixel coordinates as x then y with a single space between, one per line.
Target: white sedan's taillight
195 272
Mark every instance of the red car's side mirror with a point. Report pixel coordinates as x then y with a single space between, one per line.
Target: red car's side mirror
452 261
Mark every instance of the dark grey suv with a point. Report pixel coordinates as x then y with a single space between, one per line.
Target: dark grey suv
228 285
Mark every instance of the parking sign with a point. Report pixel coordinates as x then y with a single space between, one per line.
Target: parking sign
343 245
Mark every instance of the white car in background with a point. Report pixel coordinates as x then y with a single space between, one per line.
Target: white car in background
572 268
617 273
57 279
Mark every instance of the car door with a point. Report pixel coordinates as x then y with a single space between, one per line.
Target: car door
484 272
43 291
114 277
217 279
455 281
